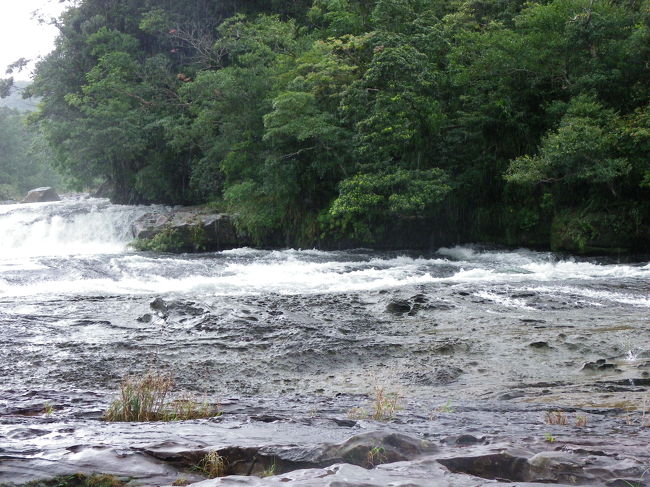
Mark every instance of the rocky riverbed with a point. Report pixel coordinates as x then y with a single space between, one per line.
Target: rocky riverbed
505 367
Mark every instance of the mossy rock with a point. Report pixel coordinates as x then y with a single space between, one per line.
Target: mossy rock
187 238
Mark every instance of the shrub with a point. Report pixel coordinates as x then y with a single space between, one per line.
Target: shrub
168 240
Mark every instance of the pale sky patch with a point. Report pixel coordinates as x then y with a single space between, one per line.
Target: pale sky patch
22 36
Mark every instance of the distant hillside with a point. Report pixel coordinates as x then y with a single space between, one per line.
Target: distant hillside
16 100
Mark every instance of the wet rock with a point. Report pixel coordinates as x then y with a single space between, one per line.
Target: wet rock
512 466
462 440
598 366
145 318
556 466
192 228
159 306
398 307
445 374
369 449
343 475
540 345
41 195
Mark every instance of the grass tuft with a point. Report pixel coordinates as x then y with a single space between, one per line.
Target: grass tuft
212 465
181 481
376 456
556 417
581 421
385 406
148 398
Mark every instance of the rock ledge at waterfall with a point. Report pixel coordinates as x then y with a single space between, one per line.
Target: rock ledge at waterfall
187 229
41 195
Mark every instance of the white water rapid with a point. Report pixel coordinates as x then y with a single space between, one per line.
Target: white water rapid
80 246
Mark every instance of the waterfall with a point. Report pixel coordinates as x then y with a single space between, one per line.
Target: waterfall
75 226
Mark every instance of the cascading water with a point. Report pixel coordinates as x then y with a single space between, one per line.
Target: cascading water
69 227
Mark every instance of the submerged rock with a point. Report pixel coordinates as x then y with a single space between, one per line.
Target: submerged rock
398 307
41 195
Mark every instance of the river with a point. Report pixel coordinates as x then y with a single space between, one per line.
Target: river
477 342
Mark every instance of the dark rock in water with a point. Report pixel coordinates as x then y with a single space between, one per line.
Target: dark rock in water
145 318
398 307
159 305
540 345
41 195
598 365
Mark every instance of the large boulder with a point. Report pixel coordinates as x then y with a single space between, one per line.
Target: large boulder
187 230
41 195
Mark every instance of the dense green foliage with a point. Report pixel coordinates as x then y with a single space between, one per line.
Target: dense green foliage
25 158
518 122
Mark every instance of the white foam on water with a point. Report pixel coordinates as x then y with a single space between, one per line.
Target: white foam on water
519 257
621 297
80 247
503 300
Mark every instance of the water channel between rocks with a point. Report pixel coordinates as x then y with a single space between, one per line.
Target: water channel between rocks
479 343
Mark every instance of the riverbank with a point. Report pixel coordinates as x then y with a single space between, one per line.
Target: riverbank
199 228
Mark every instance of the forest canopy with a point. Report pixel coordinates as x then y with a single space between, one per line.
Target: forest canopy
519 122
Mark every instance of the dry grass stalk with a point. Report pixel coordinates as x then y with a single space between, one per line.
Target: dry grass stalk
141 398
188 407
212 465
384 407
581 421
386 404
556 417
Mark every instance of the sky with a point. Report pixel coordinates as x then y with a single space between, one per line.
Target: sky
22 36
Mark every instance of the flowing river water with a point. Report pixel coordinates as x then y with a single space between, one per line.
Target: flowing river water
480 344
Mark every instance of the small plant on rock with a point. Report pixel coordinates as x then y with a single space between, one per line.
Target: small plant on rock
386 404
581 421
376 456
189 407
212 465
148 398
141 398
271 470
446 408
549 438
384 407
357 413
556 417
181 481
